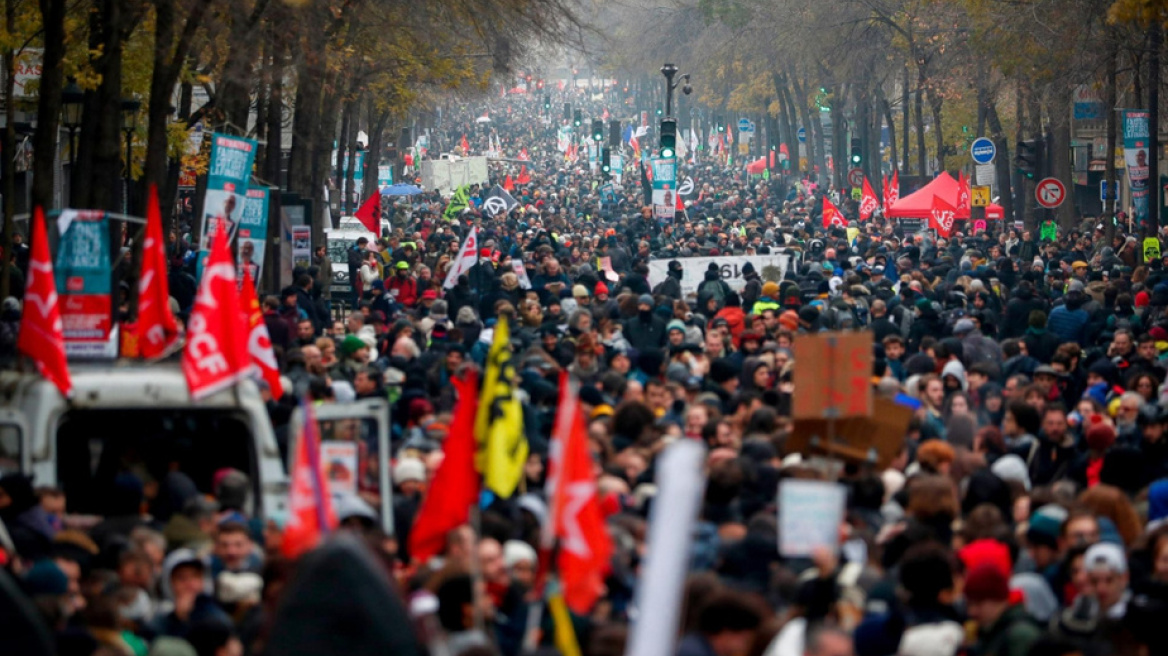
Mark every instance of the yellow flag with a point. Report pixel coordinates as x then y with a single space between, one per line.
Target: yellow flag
565 634
501 444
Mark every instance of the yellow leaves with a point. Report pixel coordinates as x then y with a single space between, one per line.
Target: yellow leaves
1138 12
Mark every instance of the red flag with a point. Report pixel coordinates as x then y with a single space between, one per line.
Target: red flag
455 487
157 331
832 216
868 202
884 193
962 193
680 202
215 356
894 189
524 176
574 514
523 154
369 214
465 145
42 336
310 507
941 217
259 342
508 183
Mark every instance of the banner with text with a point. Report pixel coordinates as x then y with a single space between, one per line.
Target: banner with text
227 178
253 233
693 269
82 270
664 188
1135 152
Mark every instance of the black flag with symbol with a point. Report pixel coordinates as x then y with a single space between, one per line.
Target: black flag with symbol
498 202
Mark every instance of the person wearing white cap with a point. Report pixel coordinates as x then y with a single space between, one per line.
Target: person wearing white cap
520 560
409 475
1106 566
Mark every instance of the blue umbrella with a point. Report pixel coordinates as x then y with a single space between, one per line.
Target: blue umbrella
401 190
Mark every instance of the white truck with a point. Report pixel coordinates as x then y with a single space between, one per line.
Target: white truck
446 175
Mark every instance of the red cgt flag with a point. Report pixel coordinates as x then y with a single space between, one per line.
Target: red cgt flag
42 336
574 513
868 203
215 356
157 331
259 342
508 183
369 214
884 193
455 487
524 176
893 190
310 507
941 217
832 216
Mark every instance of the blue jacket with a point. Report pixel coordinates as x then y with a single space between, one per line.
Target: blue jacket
1068 325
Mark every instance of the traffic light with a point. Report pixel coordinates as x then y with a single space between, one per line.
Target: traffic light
606 161
614 133
539 85
547 104
597 130
721 125
577 118
1028 159
567 111
668 137
405 139
857 155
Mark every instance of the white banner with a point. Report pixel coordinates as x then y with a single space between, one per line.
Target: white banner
468 256
681 482
694 269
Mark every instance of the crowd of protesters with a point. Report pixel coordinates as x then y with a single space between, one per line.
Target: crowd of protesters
1023 514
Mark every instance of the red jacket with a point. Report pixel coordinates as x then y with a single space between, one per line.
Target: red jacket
735 319
402 290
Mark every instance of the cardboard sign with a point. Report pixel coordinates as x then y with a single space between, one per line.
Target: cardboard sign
810 513
832 374
338 463
858 439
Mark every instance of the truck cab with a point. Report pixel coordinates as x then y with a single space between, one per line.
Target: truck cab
137 417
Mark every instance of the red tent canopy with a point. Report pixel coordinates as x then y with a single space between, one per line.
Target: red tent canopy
919 205
757 166
995 212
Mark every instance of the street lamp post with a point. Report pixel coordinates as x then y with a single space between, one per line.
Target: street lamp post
72 102
130 107
669 70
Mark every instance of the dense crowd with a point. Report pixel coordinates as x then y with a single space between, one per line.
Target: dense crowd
1023 514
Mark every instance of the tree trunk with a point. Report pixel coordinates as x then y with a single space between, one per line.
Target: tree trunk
342 151
1033 125
351 160
919 117
108 170
1001 161
905 115
49 102
1061 154
1112 126
935 103
894 155
8 148
274 152
1155 43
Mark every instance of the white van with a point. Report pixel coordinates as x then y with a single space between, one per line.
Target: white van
140 417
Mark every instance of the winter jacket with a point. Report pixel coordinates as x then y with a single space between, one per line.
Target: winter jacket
1067 325
645 333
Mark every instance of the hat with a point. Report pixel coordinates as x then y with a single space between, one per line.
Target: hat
601 288
45 578
1105 555
517 551
675 324
645 299
352 344
1010 467
1076 286
580 291
987 551
808 314
409 469
986 583
402 265
963 326
770 288
485 252
1100 434
722 370
1079 264
1047 370
378 284
1143 299
430 295
1046 524
877 270
789 320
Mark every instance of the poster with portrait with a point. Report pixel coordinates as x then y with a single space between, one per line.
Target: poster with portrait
1136 146
232 159
252 233
338 461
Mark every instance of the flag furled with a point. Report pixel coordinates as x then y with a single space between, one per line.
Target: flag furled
157 330
963 201
502 445
310 507
215 356
455 487
369 214
42 335
868 202
575 518
893 189
465 145
524 177
459 201
468 256
259 342
832 216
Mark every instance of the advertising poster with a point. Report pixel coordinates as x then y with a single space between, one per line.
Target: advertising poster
227 179
82 270
1135 152
301 246
664 188
338 461
253 233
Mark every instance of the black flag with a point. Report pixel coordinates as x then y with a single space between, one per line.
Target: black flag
498 202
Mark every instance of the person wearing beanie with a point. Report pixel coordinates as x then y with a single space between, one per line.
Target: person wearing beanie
789 320
1099 435
671 286
1003 628
1042 539
645 331
769 299
675 330
809 320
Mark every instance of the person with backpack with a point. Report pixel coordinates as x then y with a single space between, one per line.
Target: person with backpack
671 286
713 285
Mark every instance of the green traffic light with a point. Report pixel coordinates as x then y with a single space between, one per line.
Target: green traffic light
667 152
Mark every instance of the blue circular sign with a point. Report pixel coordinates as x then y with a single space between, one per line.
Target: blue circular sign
983 150
802 135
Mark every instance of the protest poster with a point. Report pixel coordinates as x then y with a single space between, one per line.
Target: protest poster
301 245
1136 146
82 270
664 188
338 462
693 269
810 513
253 233
834 372
227 182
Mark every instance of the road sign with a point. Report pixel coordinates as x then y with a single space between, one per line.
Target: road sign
856 177
982 150
1106 193
745 125
802 135
1050 193
979 196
